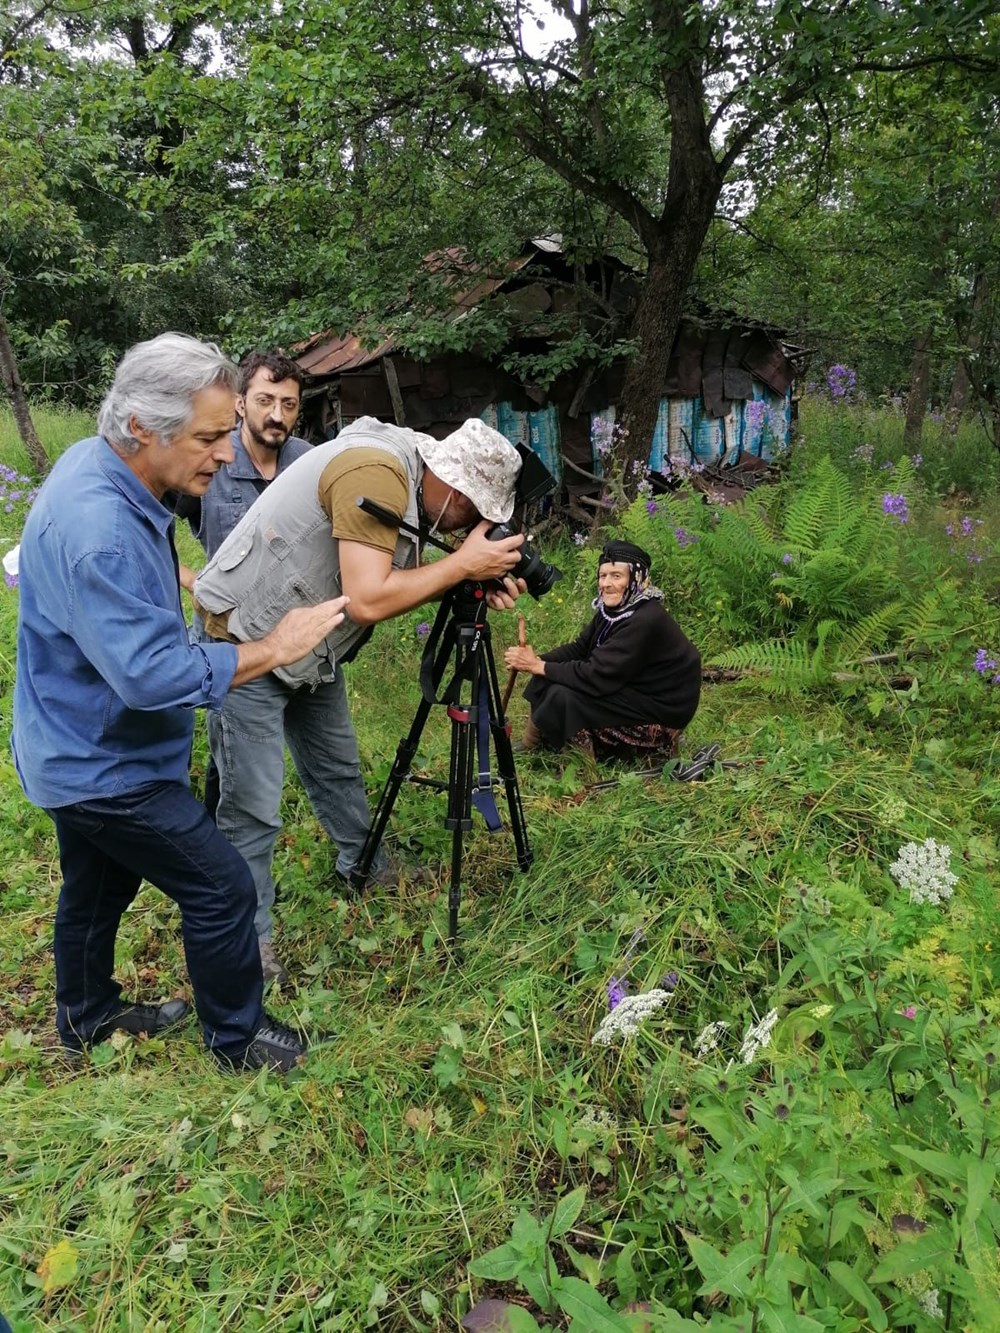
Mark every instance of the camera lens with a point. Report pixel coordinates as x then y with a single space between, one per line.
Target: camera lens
539 576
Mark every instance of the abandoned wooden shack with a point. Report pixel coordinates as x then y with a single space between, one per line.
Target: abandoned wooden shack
726 401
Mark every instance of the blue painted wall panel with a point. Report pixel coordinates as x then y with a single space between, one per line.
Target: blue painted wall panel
683 431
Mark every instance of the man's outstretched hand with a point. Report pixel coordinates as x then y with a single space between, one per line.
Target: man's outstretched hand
296 633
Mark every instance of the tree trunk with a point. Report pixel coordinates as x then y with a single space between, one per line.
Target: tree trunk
654 326
11 379
673 241
958 399
920 387
963 384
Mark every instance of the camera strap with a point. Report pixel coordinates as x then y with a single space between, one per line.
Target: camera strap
482 792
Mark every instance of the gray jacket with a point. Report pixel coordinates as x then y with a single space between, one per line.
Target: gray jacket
235 487
281 554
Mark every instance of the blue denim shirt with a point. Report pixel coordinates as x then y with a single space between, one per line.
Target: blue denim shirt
106 678
234 488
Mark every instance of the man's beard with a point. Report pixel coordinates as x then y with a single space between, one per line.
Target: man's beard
260 439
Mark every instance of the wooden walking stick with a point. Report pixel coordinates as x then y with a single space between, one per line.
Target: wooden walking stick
522 642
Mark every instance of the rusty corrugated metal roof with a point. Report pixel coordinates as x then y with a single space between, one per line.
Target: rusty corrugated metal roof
325 354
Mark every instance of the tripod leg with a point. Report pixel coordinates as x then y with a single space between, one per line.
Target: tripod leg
401 766
459 816
505 756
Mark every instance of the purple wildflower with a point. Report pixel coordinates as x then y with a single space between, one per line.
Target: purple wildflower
685 538
422 630
756 411
910 1011
888 465
603 435
617 990
895 505
984 664
10 579
682 468
652 508
669 981
787 558
841 381
966 532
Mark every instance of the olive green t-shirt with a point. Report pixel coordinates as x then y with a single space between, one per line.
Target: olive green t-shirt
371 473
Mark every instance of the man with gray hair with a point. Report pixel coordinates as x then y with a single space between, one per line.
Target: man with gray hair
306 538
107 683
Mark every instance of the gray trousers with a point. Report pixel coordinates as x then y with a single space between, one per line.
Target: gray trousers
248 738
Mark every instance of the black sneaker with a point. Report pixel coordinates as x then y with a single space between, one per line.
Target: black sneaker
275 1046
139 1019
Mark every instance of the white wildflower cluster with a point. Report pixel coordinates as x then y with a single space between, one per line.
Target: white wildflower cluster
626 1018
930 1303
709 1037
891 810
923 869
758 1037
597 1120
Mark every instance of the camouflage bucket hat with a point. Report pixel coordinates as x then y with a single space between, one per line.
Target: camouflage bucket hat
478 461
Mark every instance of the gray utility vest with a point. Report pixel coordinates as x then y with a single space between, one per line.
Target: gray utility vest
281 554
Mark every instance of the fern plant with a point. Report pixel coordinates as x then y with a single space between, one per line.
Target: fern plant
801 581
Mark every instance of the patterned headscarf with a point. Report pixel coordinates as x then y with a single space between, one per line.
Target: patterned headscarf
639 588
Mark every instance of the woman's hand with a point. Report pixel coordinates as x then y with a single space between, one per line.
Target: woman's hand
524 659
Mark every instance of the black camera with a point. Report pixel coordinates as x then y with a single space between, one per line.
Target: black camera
538 574
534 482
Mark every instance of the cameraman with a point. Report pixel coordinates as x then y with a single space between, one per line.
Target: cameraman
304 540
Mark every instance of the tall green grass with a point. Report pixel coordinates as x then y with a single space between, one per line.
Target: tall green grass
57 429
147 1191
964 463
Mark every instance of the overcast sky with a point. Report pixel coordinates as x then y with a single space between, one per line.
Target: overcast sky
555 27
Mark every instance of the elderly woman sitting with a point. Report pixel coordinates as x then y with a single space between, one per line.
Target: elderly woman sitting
629 684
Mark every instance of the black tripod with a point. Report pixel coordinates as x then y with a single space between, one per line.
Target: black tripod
473 699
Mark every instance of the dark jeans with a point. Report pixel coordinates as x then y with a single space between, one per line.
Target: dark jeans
211 797
161 833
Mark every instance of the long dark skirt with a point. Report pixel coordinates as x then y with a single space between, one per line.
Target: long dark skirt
560 713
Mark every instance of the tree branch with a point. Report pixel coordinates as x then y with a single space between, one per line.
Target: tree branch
11 39
630 209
